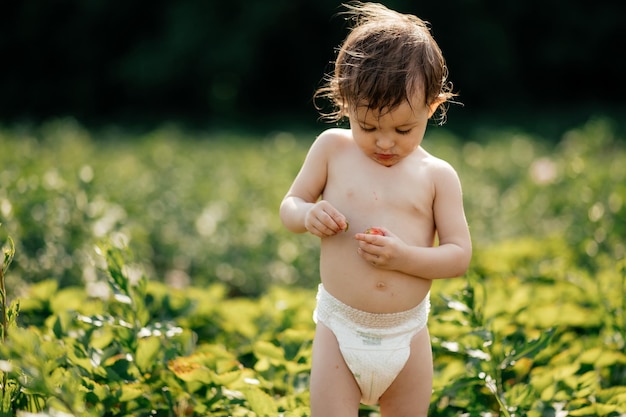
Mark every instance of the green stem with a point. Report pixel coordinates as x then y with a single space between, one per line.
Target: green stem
3 306
5 322
8 258
623 273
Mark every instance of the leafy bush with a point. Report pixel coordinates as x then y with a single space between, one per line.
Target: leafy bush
198 210
136 347
223 326
203 208
515 345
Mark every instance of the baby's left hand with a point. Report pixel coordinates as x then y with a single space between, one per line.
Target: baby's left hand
378 250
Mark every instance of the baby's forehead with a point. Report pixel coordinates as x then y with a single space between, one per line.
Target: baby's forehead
415 100
405 111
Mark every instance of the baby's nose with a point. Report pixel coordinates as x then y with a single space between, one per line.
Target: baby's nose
383 142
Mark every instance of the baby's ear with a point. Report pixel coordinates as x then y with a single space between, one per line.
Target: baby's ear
432 107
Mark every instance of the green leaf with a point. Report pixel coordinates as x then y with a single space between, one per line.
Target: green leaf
148 350
72 298
521 395
57 328
43 290
101 391
530 348
613 395
298 412
595 410
131 392
190 371
269 350
260 402
602 357
9 391
8 251
296 368
226 379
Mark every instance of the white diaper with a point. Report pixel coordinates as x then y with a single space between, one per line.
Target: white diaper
374 346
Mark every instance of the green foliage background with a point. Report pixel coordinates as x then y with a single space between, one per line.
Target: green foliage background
154 278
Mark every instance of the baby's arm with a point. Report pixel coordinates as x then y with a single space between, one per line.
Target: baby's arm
301 210
449 259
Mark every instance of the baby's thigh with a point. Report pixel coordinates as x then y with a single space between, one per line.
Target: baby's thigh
334 391
410 392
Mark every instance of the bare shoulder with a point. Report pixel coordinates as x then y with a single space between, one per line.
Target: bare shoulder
441 171
329 144
334 138
326 146
434 163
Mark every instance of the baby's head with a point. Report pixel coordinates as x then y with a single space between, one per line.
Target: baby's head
387 58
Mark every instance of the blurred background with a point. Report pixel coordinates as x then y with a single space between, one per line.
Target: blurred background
254 64
173 128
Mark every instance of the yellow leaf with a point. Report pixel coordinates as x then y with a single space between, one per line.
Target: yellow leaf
147 351
266 349
131 392
190 371
260 402
227 378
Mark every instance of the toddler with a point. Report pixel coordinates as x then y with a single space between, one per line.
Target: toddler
371 343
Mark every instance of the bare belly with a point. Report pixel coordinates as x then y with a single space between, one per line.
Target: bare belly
358 284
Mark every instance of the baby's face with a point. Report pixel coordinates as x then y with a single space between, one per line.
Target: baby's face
392 136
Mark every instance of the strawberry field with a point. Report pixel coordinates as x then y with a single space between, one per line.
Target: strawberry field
148 274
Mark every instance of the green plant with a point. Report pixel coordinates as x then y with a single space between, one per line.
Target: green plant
224 320
108 355
489 356
10 393
8 312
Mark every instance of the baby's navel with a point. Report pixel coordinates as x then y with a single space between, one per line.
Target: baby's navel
380 285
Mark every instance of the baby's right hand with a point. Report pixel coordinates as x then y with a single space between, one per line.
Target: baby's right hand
323 220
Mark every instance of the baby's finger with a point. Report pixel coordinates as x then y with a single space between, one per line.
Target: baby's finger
315 225
370 239
328 223
368 257
338 219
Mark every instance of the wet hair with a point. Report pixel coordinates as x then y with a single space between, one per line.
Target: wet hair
384 61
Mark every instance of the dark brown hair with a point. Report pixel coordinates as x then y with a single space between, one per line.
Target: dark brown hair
386 58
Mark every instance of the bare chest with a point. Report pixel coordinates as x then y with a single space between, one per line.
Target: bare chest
398 197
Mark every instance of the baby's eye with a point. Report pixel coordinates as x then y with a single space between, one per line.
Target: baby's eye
367 129
403 132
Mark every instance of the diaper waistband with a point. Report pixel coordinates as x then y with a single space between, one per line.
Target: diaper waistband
328 305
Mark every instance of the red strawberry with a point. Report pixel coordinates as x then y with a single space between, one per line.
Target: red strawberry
374 231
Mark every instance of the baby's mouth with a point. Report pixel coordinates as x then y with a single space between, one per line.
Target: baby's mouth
384 156
385 159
